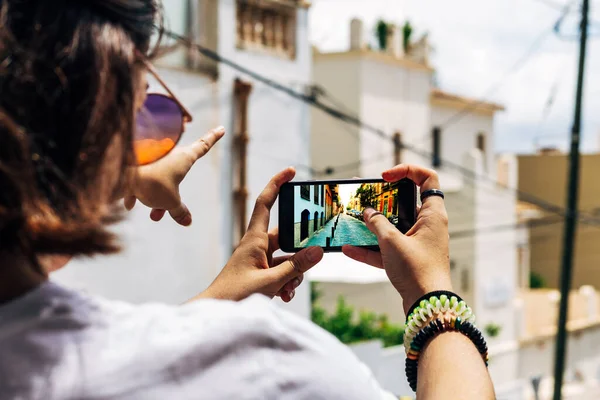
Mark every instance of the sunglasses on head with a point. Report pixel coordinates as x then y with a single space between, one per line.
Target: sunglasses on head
159 123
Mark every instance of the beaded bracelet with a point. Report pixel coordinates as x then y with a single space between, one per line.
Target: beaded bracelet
433 329
437 293
429 309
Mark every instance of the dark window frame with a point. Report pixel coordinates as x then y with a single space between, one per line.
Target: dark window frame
436 145
305 192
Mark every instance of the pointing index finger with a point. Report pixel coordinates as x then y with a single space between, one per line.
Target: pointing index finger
203 145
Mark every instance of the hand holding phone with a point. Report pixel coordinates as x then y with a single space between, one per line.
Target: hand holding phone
417 262
329 214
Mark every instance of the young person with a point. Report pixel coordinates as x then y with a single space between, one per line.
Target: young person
77 133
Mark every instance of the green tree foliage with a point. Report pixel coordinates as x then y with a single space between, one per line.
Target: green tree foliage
492 329
407 31
348 329
536 281
366 195
381 33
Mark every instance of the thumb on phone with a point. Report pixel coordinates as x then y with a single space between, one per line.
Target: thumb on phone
380 226
297 264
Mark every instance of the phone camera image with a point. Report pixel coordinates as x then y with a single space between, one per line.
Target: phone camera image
330 215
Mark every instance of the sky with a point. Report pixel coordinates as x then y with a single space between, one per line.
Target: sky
476 43
345 192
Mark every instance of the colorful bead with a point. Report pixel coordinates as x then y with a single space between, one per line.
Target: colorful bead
439 324
461 307
446 321
432 300
453 301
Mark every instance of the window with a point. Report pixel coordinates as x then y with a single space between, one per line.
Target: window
197 21
267 25
397 148
322 196
437 147
170 52
316 195
305 192
481 142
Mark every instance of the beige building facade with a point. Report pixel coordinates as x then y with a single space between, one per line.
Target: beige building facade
544 176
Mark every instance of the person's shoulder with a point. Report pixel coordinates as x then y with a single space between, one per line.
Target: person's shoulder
257 341
243 338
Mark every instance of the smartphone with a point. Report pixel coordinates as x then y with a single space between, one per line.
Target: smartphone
329 214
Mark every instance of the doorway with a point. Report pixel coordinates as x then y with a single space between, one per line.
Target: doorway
304 224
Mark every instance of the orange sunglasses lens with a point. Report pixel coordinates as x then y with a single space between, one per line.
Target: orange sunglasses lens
159 126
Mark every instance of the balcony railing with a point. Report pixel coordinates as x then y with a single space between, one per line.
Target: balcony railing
267 26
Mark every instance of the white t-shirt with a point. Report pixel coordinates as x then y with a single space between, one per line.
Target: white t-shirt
60 344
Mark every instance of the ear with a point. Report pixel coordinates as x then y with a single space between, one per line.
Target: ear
54 262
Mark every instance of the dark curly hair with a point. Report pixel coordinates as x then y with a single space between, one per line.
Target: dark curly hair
68 78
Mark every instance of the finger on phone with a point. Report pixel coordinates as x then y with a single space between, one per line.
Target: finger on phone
363 255
280 259
259 222
425 178
297 265
379 225
273 240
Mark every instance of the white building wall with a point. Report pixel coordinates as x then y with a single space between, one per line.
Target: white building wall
278 125
301 204
460 137
393 99
333 142
582 371
460 205
164 261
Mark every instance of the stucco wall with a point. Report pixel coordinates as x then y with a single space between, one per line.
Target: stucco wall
335 143
278 125
544 176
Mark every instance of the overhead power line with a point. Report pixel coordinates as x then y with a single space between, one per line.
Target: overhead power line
504 227
353 120
517 66
555 4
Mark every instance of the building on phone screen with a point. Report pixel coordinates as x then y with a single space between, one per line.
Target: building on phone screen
314 207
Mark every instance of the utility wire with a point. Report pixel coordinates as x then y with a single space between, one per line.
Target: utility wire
517 66
504 227
353 120
555 5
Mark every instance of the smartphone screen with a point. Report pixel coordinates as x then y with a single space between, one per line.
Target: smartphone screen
329 214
